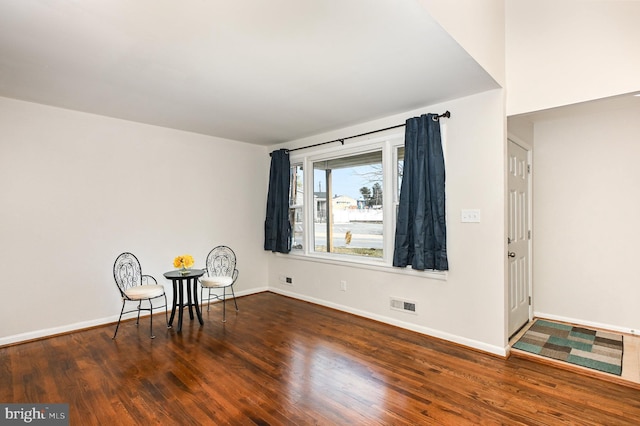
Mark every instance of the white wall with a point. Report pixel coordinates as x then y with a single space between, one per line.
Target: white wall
478 26
78 189
586 231
468 308
570 51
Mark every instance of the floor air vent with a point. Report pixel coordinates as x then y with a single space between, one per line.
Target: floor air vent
403 305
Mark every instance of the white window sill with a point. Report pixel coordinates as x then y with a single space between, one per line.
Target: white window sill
364 263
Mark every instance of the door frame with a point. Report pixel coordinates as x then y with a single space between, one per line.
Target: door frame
529 148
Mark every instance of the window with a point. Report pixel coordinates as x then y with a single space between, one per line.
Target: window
349 209
296 206
344 202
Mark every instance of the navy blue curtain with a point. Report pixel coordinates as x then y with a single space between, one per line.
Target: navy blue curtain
277 229
421 233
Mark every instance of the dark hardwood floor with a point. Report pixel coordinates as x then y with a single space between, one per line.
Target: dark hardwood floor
282 361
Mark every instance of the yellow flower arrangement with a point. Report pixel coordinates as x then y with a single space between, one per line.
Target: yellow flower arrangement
184 261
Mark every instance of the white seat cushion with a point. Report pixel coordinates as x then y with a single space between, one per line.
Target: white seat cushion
140 292
215 281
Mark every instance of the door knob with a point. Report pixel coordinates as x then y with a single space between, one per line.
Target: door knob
512 254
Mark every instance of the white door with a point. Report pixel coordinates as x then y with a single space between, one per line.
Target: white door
519 236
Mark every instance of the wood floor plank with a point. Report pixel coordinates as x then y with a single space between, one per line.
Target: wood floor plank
283 361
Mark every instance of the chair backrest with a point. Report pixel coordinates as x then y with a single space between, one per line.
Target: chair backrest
221 262
127 272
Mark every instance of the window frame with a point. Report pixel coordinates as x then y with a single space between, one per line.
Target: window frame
388 144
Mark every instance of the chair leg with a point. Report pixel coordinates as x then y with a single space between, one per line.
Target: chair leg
224 304
166 314
138 319
234 298
119 318
209 300
151 320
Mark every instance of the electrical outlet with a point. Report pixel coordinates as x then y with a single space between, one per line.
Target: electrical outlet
289 281
343 285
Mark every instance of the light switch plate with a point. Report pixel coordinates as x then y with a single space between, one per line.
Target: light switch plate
470 216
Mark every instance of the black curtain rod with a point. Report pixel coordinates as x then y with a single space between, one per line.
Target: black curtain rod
446 114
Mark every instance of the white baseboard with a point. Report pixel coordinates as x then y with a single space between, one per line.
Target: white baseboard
47 332
474 344
586 323
38 334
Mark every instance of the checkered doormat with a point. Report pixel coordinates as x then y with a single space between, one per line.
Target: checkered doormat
598 350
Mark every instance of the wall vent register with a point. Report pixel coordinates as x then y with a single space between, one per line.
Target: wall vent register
403 305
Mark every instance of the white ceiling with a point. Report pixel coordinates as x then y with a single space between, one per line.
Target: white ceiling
257 71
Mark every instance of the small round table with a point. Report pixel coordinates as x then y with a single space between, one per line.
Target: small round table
178 279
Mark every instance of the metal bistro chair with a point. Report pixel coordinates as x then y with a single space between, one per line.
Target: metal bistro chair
221 274
135 287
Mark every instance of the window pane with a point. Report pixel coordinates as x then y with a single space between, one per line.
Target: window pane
348 205
296 206
400 168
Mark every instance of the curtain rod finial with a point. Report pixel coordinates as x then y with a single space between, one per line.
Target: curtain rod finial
446 114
